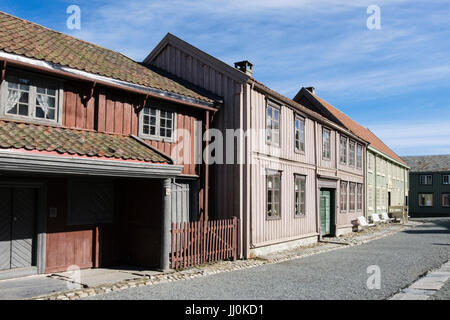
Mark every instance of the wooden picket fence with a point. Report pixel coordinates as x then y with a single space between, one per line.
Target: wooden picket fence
199 242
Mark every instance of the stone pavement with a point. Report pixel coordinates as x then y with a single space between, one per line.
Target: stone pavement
426 286
352 239
29 287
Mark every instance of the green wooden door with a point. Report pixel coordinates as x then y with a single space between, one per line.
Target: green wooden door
325 215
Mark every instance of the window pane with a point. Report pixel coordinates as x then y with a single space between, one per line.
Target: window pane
446 200
51 102
40 113
273 194
351 153
13 85
425 200
24 97
23 109
51 114
13 109
326 143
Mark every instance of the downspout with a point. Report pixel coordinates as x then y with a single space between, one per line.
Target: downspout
249 214
375 172
206 168
365 182
316 180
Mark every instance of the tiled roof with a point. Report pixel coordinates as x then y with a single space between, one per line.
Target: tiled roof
358 129
428 163
17 135
21 37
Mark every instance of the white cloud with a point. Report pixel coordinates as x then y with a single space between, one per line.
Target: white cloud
415 137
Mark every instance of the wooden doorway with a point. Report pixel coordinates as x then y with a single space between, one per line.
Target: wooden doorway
327 219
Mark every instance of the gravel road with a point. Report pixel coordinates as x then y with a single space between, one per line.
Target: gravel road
339 274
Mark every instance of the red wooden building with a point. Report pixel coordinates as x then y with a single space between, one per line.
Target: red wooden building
88 172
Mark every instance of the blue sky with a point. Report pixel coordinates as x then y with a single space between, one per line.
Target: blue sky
395 80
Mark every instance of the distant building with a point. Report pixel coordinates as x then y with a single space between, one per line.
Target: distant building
386 174
429 194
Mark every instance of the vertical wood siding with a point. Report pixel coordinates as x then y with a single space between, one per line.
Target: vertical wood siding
114 112
385 176
229 182
226 176
288 227
66 245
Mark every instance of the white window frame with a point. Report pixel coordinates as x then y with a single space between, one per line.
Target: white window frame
343 191
359 158
328 144
157 136
370 162
444 178
269 138
359 197
351 160
427 179
269 175
301 142
343 154
300 206
35 81
350 196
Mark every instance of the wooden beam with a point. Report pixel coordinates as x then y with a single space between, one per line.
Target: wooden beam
90 92
2 71
142 103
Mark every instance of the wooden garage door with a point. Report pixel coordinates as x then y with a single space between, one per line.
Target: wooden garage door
17 227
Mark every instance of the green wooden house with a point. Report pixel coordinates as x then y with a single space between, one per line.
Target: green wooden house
386 174
429 194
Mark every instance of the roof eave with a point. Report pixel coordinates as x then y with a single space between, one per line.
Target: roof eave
371 148
18 161
80 75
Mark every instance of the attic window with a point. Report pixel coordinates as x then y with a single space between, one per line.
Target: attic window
157 124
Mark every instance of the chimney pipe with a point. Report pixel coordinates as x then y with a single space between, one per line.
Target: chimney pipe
245 66
311 89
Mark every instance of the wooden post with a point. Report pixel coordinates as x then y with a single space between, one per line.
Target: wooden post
165 225
96 247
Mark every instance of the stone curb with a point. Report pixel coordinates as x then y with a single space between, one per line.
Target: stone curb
209 269
426 286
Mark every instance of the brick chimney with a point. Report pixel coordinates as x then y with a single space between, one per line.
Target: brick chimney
245 66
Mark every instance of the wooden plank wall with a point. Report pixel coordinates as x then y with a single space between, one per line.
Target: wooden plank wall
285 159
66 245
113 111
226 176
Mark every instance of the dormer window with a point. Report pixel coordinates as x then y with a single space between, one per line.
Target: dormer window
28 97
